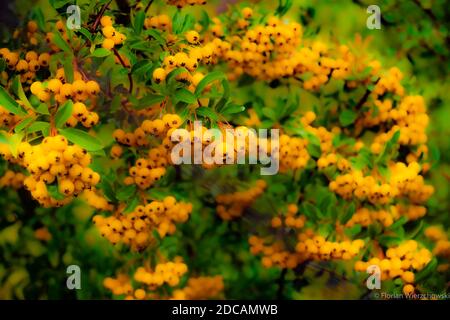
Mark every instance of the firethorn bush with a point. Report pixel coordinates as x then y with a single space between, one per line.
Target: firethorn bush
91 118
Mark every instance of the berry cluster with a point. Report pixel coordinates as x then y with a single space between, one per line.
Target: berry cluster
32 29
410 119
200 288
96 200
169 273
316 247
147 171
186 55
354 184
120 285
8 119
157 127
366 217
404 181
112 36
12 179
56 163
161 22
290 220
293 153
442 244
310 246
165 273
135 228
224 148
265 51
274 253
232 205
79 91
61 31
409 182
5 153
400 262
62 91
25 64
181 3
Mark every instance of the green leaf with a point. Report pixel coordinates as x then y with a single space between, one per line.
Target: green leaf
155 34
226 88
142 68
416 231
177 21
63 114
20 93
283 7
7 102
325 199
174 73
149 100
204 20
107 189
425 272
54 192
138 22
389 241
398 223
81 138
3 138
207 113
347 117
43 109
270 113
311 211
389 146
185 95
101 52
348 213
37 15
353 231
209 78
188 23
42 126
232 108
14 141
131 205
219 106
23 124
126 192
61 43
86 33
435 155
68 69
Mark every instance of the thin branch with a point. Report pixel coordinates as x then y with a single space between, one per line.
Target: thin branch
365 96
99 16
130 78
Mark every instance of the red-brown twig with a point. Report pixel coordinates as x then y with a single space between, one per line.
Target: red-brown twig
99 16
